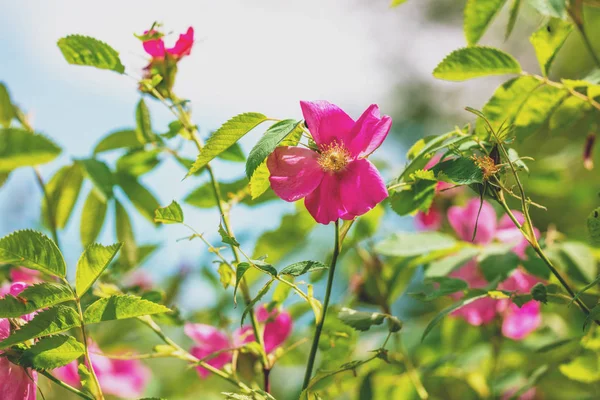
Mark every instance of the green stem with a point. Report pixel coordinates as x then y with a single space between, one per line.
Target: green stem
413 375
315 344
65 386
86 349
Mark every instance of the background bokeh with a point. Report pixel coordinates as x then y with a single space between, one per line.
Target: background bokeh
265 56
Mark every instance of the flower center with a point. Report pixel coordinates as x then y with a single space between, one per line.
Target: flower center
334 157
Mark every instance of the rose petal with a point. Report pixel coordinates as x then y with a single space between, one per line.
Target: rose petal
519 281
16 383
369 131
464 219
325 202
361 187
183 46
208 341
294 171
508 233
326 122
429 221
277 328
479 312
520 322
155 48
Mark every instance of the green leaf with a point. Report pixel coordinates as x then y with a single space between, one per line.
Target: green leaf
138 162
396 3
121 307
462 171
434 288
33 250
52 352
259 183
129 255
582 369
86 380
360 320
143 128
548 40
264 290
121 139
474 62
233 154
92 217
478 15
593 226
7 111
226 238
580 259
63 191
92 264
417 197
226 276
33 298
21 148
505 104
263 266
142 199
231 131
443 266
239 274
303 267
171 214
550 8
100 175
85 50
512 19
48 322
438 318
204 197
268 142
540 104
570 110
497 267
406 244
288 236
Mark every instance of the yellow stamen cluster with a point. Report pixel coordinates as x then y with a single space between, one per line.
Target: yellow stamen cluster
334 157
486 164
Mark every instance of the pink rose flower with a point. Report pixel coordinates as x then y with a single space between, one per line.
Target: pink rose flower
517 322
208 340
278 327
429 221
26 275
183 46
528 395
139 278
16 383
337 180
122 378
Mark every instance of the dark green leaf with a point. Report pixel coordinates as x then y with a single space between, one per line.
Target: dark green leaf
226 238
498 266
143 128
417 197
129 255
33 250
52 352
512 19
580 260
462 171
234 154
463 302
121 307
259 296
434 288
239 275
138 162
360 320
63 191
7 111
85 50
143 200
268 142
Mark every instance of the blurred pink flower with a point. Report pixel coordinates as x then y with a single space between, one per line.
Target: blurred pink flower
441 186
183 46
528 395
16 383
517 322
337 181
208 340
429 221
26 275
122 378
278 327
139 278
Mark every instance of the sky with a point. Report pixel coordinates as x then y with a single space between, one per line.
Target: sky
262 55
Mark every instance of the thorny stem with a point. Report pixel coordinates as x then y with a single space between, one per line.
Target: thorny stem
65 386
184 355
184 118
321 322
